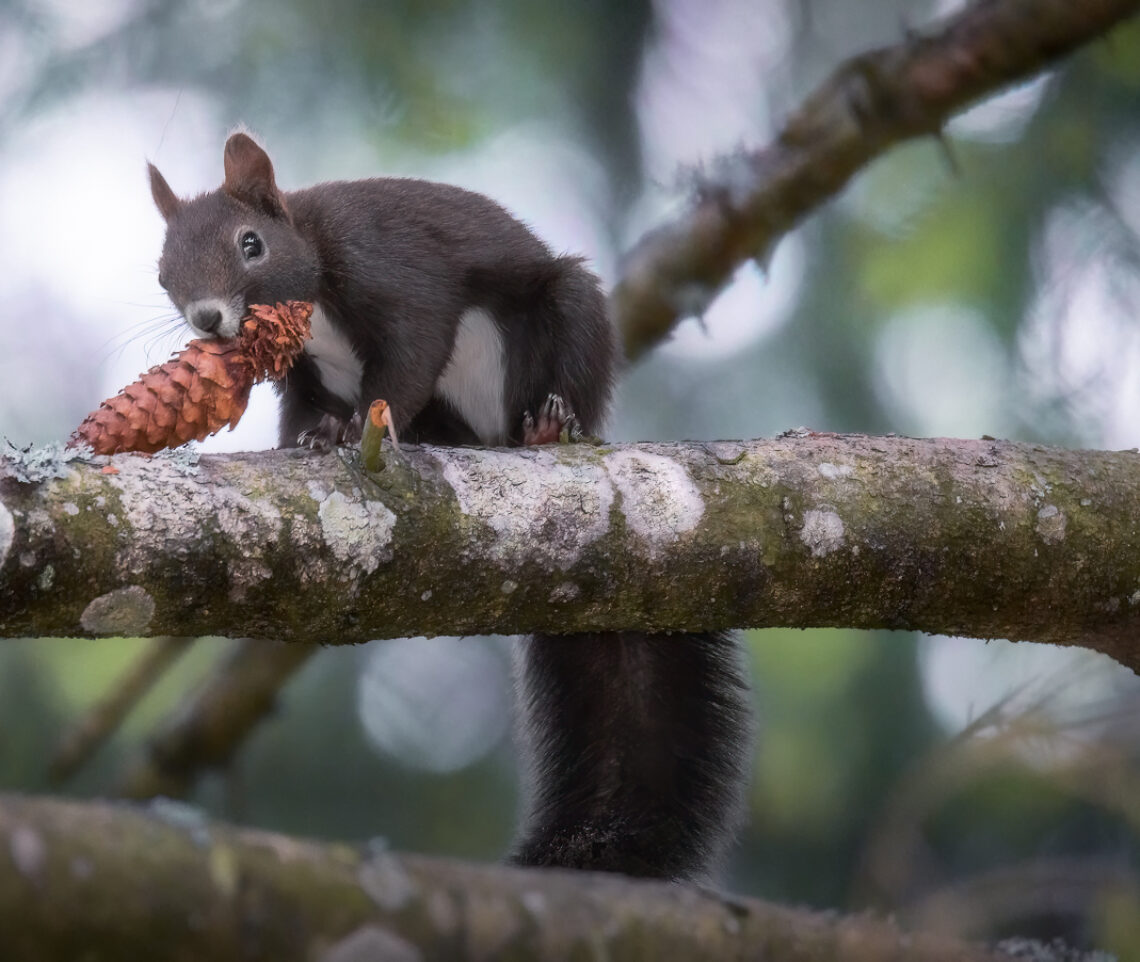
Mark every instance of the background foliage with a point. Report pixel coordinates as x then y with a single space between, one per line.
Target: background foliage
985 286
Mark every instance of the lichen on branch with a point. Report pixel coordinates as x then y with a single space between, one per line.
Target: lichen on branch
980 538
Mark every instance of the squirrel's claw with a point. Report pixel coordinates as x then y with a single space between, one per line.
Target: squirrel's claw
555 422
330 432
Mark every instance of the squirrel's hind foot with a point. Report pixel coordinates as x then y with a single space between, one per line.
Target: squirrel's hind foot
555 423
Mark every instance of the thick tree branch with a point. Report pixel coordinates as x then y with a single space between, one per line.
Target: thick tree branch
746 202
116 882
985 538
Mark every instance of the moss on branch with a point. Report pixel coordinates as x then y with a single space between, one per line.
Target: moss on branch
982 538
160 884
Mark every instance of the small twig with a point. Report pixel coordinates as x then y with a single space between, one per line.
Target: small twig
103 719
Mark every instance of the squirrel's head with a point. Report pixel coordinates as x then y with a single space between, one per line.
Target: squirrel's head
232 247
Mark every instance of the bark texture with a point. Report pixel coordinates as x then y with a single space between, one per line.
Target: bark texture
160 884
744 203
980 538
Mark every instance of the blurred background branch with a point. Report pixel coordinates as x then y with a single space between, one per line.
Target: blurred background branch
212 722
100 721
258 896
744 202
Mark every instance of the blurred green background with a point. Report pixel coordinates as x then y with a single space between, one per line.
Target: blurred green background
988 789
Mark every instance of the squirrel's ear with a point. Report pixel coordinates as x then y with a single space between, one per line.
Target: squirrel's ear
249 176
165 199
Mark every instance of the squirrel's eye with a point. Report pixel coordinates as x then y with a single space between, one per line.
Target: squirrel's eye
251 245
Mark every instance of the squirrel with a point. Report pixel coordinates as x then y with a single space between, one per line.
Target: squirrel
438 301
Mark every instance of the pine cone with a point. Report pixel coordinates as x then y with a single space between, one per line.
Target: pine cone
200 390
272 338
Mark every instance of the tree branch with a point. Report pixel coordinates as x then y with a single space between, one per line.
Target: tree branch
746 202
1014 540
102 720
164 884
213 721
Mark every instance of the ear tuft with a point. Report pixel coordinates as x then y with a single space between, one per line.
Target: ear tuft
249 176
165 199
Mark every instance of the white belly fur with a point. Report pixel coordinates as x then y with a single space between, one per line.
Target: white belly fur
472 382
339 367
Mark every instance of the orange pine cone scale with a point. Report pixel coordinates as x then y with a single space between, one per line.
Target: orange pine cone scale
200 390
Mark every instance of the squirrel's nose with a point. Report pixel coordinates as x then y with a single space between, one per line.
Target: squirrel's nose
206 318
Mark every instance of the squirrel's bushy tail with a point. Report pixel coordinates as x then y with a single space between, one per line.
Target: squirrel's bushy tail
637 744
638 748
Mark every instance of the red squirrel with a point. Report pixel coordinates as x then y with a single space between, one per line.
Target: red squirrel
437 300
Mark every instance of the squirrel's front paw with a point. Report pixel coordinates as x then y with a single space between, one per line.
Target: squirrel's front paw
330 432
